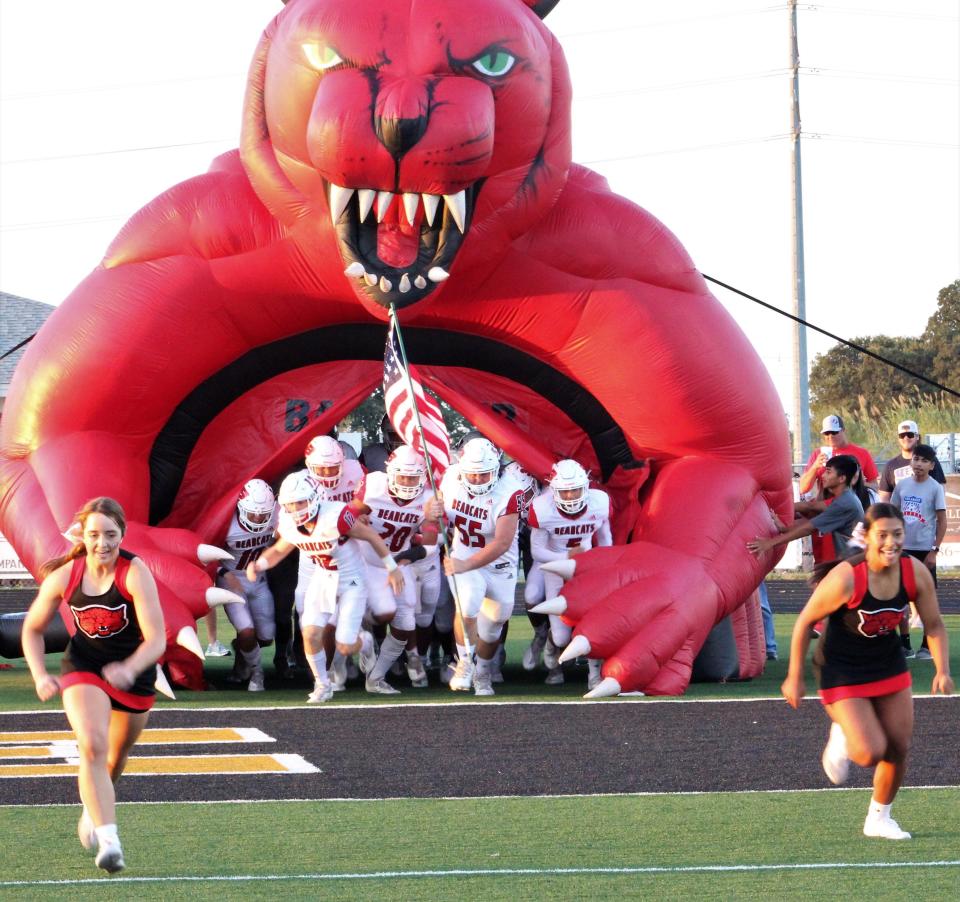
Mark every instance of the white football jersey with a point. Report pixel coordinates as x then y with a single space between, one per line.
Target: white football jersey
327 544
566 531
395 520
245 546
473 518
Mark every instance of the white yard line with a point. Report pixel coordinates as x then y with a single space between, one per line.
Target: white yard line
499 872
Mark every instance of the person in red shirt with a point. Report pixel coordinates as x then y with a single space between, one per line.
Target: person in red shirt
835 442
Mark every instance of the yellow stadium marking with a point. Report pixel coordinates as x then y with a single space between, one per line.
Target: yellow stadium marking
185 735
153 765
35 751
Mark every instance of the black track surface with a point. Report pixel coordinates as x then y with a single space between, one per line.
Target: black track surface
787 596
489 748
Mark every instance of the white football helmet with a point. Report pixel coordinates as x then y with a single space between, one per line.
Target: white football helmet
300 486
323 455
408 463
479 457
255 506
570 480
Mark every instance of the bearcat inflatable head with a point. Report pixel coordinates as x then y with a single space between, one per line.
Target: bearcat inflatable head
426 135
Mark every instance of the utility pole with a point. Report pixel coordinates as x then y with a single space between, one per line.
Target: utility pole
801 407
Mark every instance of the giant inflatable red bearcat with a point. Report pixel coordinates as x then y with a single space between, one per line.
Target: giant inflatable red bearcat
415 154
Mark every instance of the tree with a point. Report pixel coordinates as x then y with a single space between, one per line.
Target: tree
841 375
942 337
367 416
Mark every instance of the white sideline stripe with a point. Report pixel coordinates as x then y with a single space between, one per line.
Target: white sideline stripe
295 764
579 795
500 872
250 734
630 700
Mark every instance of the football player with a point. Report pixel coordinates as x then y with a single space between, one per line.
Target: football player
405 517
251 530
564 523
483 511
336 598
338 479
374 456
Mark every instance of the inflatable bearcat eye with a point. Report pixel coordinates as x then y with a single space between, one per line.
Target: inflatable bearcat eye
415 154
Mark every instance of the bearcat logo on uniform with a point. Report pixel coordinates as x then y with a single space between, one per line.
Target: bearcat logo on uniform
100 622
879 623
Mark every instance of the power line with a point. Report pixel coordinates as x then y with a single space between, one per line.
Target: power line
887 14
668 22
750 297
60 223
120 150
849 344
896 142
118 86
878 76
691 149
681 85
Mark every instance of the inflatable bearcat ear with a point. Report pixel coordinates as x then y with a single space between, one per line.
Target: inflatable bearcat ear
540 7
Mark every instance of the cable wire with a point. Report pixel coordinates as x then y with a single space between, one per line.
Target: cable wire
849 344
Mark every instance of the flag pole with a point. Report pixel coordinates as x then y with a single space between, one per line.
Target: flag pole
426 457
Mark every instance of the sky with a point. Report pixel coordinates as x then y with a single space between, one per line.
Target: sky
683 106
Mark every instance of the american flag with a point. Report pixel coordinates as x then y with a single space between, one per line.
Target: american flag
396 397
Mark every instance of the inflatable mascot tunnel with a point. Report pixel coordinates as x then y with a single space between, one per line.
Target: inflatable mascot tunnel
419 155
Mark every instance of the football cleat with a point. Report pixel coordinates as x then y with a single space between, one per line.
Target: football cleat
416 671
368 652
531 657
448 668
551 655
462 678
256 681
482 685
217 650
338 673
554 677
380 687
322 692
594 676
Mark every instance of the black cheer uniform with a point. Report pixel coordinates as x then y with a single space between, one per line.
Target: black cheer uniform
106 630
862 655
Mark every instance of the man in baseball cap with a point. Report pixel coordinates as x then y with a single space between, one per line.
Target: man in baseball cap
835 442
899 467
